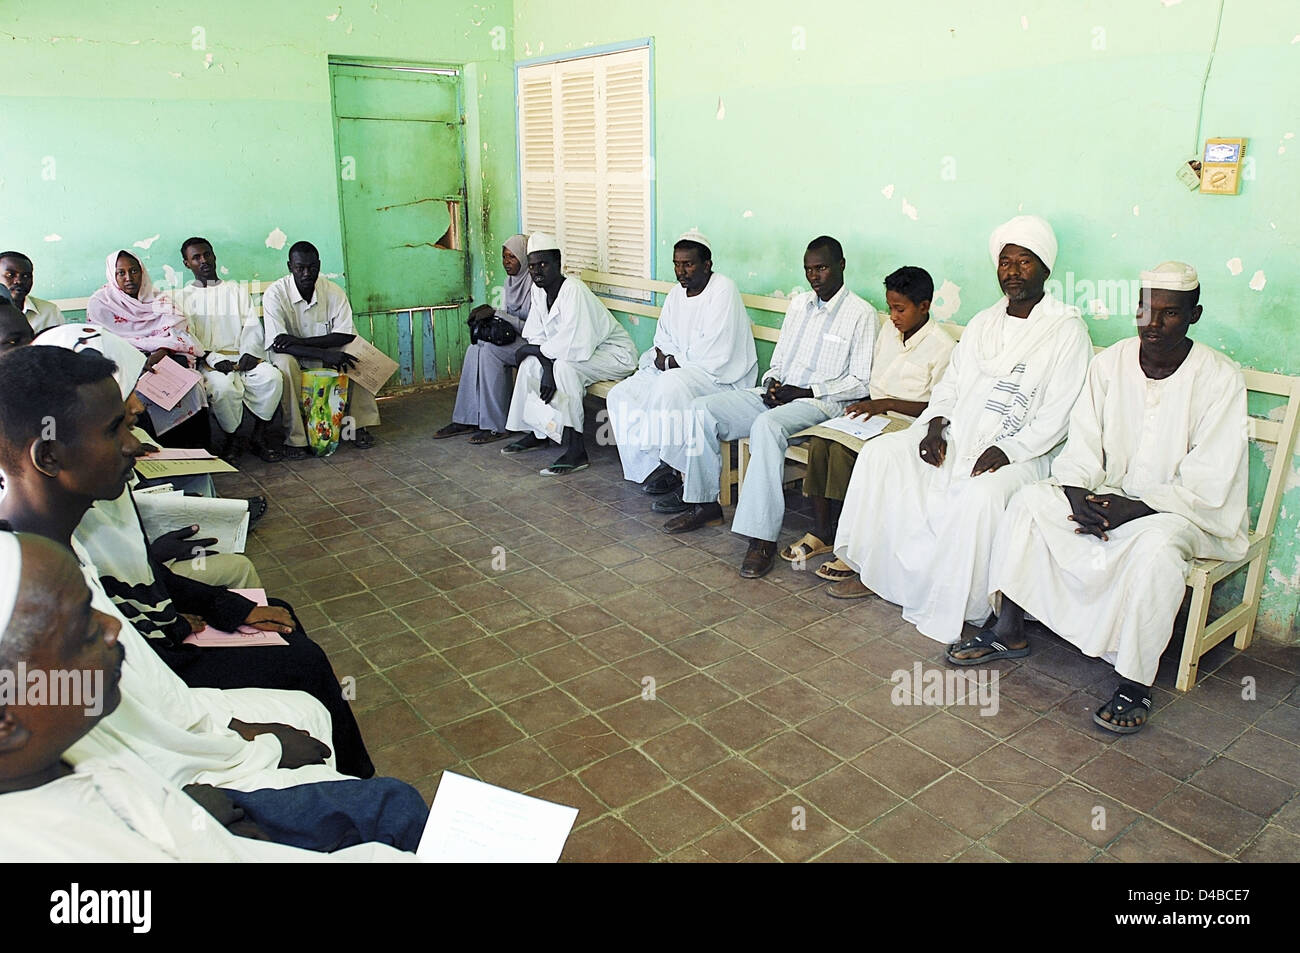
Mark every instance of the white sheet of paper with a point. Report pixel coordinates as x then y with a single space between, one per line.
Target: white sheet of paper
221 519
476 823
857 427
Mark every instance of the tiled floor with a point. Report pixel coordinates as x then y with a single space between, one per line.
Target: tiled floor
544 635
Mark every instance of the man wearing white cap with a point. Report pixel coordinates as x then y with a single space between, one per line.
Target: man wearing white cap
572 341
924 504
703 345
1154 474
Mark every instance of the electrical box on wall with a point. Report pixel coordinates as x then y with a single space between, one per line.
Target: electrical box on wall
1221 166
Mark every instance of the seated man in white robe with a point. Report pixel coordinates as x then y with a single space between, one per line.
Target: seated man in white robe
1154 475
822 363
924 504
119 808
234 368
17 274
308 322
703 345
572 341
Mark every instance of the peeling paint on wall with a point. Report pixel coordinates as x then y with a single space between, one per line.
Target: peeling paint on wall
276 239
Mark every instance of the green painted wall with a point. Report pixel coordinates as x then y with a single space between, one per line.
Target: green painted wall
776 122
117 128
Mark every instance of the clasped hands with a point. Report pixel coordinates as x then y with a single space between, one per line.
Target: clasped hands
1096 513
330 357
246 362
776 394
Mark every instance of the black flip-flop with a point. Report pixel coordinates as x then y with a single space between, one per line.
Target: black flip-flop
256 510
1128 697
985 640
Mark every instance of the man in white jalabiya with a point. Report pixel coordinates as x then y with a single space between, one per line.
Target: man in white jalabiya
703 345
235 368
924 504
1154 474
571 341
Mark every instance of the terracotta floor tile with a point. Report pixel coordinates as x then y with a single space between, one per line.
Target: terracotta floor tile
1075 808
1274 845
746 673
909 834
569 791
843 731
389 724
602 688
564 662
660 664
696 695
1054 743
792 701
684 751
791 758
395 649
641 718
1243 786
478 656
839 679
581 742
704 648
851 850
740 725
750 629
730 845
1029 838
413 758
734 787
1012 773
420 675
899 766
449 702
543 710
1150 843
849 797
518 767
533 637
792 829
608 841
479 734
623 778
948 739
966 805
1267 753
672 818
1211 820
507 682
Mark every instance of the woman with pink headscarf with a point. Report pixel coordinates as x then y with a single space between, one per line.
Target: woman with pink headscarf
130 307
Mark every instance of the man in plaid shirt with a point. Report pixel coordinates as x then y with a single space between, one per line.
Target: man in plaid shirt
822 363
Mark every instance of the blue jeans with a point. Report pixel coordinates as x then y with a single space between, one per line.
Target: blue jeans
330 815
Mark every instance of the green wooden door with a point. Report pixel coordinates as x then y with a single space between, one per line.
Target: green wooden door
399 136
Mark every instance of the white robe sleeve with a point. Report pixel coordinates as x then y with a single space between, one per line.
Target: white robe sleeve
1063 383
580 328
1082 462
943 396
1209 488
251 334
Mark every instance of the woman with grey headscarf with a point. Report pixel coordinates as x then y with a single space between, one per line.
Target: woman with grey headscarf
483 396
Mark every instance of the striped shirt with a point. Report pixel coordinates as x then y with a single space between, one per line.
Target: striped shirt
827 346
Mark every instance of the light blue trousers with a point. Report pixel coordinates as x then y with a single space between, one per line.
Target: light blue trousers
730 416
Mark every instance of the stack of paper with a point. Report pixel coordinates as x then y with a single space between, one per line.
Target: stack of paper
224 520
245 635
853 432
373 367
174 461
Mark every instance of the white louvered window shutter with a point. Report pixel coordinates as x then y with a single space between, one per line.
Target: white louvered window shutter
584 134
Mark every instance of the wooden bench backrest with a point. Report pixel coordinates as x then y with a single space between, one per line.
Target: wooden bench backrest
1278 434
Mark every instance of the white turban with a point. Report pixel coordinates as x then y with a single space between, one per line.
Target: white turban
1027 231
693 235
89 337
1171 276
542 241
11 571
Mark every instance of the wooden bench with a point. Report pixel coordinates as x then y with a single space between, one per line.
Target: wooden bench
730 476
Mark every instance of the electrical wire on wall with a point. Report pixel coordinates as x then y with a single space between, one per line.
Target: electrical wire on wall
1205 80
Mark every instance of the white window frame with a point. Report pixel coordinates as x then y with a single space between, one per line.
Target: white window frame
586 161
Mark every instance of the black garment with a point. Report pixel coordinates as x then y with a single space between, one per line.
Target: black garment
302 665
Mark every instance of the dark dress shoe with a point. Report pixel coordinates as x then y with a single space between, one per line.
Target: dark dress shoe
663 480
672 503
758 560
700 514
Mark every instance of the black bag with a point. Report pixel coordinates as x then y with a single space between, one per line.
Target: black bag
494 331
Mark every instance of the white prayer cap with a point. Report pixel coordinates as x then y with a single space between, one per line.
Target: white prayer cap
1027 231
694 235
542 241
90 337
11 571
1171 276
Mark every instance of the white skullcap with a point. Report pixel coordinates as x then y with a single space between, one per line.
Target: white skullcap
542 241
11 571
1027 231
694 235
90 337
1171 276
